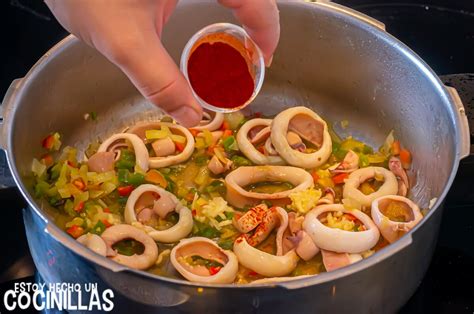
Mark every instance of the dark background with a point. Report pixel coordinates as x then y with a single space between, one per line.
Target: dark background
441 32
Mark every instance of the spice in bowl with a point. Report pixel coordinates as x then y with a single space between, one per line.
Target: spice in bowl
224 67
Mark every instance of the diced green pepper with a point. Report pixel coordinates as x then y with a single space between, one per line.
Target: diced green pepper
136 179
41 188
239 161
226 244
230 144
98 228
126 161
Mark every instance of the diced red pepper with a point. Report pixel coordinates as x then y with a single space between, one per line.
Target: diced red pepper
194 132
75 231
79 207
405 158
48 142
252 273
210 150
315 176
125 190
194 212
106 223
106 210
350 217
227 133
257 114
225 126
79 184
189 197
179 146
47 159
214 270
339 179
71 164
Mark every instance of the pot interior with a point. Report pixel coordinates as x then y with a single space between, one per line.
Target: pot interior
335 64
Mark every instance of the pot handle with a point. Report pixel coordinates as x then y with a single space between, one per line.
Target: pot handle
6 179
351 12
5 108
463 123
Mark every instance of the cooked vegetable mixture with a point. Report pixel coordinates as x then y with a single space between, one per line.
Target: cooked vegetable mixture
237 199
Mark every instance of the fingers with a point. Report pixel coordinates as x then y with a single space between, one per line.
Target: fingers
261 20
157 77
127 33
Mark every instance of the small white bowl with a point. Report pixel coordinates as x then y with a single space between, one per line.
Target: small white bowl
257 63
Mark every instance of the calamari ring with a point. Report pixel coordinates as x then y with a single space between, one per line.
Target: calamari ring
249 150
242 176
356 178
141 152
94 243
263 263
338 240
393 230
211 123
180 230
208 249
118 233
160 162
294 157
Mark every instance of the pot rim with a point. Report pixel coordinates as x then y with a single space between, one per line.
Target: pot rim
386 252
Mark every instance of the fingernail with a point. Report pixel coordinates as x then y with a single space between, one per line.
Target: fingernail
186 116
269 62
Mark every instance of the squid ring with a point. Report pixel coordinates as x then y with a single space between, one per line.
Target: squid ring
207 249
93 242
210 123
160 162
141 152
118 233
180 230
242 176
280 128
356 178
337 240
249 150
263 263
393 230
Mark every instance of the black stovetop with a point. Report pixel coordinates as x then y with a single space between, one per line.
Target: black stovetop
441 32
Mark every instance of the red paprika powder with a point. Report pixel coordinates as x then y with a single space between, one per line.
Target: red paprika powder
220 75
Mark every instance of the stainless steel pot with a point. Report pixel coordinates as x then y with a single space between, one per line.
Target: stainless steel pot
330 58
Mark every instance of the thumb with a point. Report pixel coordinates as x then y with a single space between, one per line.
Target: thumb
154 73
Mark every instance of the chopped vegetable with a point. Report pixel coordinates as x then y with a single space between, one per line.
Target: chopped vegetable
339 179
125 190
239 161
126 161
396 148
156 177
233 120
230 144
387 145
179 146
405 158
303 201
75 231
214 270
213 212
52 142
38 168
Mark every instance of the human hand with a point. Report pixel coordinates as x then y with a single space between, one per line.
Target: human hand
128 33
